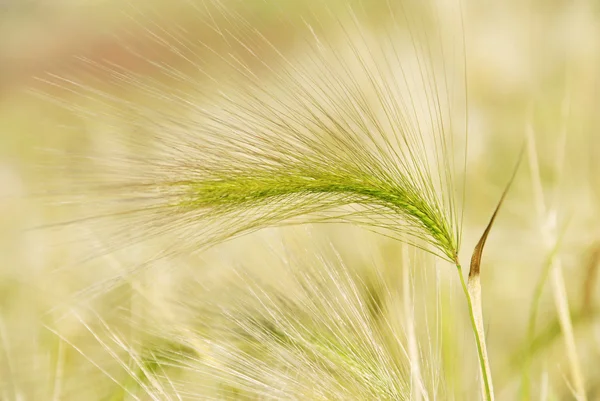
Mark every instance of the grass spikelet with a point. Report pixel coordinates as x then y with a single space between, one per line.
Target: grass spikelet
314 325
311 332
353 130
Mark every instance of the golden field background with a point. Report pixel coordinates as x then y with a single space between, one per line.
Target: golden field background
76 328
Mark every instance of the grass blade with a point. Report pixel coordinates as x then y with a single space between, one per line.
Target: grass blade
472 290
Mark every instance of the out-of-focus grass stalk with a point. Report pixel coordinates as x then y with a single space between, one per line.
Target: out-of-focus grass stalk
531 326
58 373
544 386
416 390
547 220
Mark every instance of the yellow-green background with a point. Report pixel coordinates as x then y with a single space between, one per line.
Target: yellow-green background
532 65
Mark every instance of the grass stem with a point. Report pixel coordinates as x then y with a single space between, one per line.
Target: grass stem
559 291
564 317
472 291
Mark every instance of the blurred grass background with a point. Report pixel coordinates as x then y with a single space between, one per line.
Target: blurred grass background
532 65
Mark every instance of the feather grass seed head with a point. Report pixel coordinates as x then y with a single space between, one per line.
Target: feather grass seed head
307 331
349 127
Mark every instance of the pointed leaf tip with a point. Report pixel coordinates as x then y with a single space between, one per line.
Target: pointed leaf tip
478 251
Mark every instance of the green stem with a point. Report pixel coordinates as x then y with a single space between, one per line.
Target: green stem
473 291
535 306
